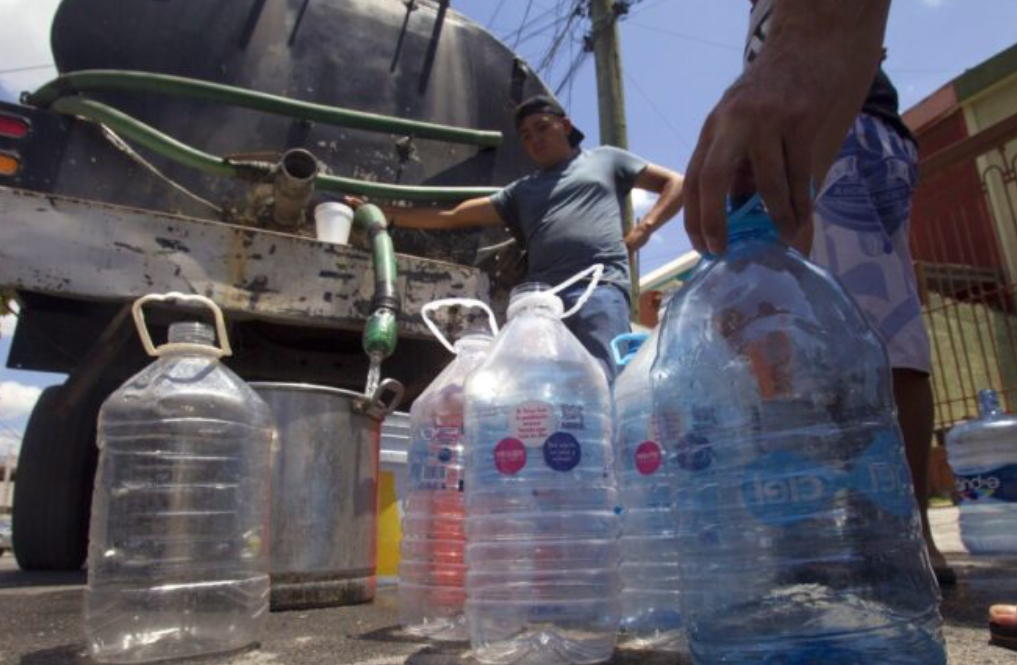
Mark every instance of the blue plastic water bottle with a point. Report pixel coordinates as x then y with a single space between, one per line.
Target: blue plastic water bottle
649 558
983 455
646 482
799 540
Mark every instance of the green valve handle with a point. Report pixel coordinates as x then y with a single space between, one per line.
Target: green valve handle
381 334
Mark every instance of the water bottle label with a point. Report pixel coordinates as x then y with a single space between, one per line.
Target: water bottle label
533 422
995 486
433 469
694 452
784 488
562 451
509 456
648 457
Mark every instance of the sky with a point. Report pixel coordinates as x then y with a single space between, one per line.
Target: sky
678 57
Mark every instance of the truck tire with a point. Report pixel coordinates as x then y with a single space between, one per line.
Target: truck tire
53 494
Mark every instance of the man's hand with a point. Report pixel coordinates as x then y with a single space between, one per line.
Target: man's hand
354 201
778 128
637 237
758 138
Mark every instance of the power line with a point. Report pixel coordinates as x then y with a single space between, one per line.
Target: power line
660 114
11 430
577 62
536 19
551 54
15 70
686 37
497 10
526 15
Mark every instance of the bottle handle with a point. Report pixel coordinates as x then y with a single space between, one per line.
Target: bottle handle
453 302
624 359
223 349
598 272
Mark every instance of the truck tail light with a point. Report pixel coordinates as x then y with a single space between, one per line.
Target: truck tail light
8 164
11 126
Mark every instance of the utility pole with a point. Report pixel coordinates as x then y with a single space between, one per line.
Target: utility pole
611 101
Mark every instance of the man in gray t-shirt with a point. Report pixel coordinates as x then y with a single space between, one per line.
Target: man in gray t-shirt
568 213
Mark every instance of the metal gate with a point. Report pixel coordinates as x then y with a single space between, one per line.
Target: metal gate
964 242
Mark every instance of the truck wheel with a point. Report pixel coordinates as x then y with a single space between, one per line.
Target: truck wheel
53 493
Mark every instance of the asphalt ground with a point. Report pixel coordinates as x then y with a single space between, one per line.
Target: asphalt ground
41 622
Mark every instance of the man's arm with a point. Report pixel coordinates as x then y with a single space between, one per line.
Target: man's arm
779 126
669 185
469 213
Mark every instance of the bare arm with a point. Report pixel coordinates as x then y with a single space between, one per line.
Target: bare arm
779 126
670 186
469 213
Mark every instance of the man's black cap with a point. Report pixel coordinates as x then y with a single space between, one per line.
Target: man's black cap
544 104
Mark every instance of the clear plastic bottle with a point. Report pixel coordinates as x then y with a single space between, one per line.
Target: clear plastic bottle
798 534
432 569
983 455
177 562
542 527
651 618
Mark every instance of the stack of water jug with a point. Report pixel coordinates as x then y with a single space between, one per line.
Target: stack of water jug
740 493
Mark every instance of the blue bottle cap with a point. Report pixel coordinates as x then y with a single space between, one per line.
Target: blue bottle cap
635 340
988 403
747 216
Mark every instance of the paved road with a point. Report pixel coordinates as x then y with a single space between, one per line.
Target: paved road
40 622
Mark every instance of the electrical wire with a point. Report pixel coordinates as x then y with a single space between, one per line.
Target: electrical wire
660 114
686 37
526 15
15 70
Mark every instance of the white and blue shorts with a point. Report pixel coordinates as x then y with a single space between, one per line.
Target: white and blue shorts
861 235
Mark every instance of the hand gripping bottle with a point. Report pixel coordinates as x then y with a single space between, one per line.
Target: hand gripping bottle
432 569
983 455
541 525
177 562
798 534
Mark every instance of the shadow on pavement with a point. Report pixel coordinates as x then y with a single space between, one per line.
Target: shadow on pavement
11 579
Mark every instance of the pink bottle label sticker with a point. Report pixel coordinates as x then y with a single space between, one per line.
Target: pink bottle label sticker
533 422
648 457
509 456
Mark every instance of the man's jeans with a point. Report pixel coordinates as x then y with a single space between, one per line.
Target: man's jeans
604 316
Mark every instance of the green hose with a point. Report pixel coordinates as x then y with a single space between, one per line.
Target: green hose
382 329
167 146
178 86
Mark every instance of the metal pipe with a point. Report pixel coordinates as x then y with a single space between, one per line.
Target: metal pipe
179 86
294 185
382 330
171 148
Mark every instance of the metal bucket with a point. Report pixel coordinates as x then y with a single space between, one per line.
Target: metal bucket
324 491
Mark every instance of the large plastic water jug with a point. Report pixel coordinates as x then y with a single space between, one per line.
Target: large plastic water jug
650 615
983 456
432 570
799 540
177 561
542 528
